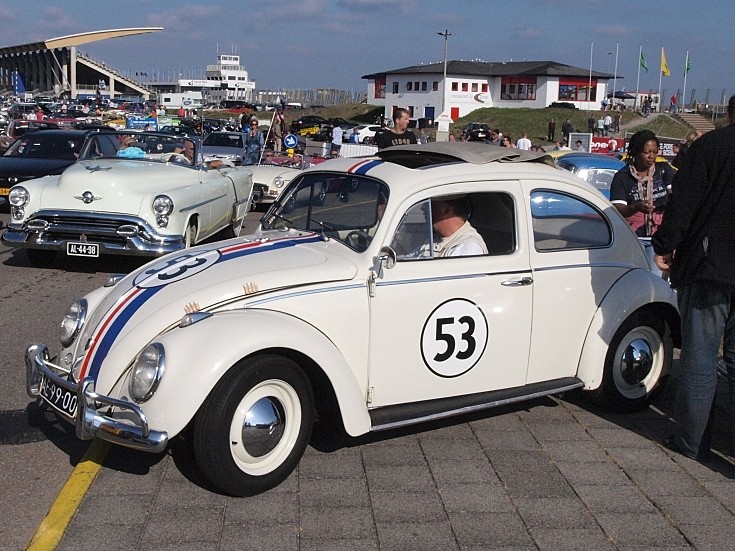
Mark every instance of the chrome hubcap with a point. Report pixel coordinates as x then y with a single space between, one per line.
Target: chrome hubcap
636 362
263 427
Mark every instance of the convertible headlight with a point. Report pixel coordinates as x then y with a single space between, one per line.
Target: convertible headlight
18 196
163 205
73 322
278 181
147 371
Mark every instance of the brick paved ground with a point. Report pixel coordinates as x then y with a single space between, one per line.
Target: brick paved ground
553 474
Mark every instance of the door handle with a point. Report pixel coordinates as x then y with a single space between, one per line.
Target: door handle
521 282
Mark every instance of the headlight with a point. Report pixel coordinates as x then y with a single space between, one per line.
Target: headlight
147 371
278 181
163 205
18 196
73 322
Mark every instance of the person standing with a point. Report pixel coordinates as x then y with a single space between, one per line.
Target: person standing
337 134
591 124
552 130
399 134
607 123
696 241
524 143
254 142
566 129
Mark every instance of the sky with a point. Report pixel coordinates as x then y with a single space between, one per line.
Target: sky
333 43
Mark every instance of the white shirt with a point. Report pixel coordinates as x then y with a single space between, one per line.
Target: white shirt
524 143
337 135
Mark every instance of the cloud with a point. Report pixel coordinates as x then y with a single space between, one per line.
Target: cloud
527 32
56 20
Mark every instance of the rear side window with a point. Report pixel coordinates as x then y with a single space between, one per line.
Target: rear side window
563 222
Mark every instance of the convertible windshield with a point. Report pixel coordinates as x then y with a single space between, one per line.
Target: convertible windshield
343 207
148 146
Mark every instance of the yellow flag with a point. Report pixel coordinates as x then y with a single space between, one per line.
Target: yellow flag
664 66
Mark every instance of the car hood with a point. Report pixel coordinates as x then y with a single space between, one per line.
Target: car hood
31 168
115 184
155 297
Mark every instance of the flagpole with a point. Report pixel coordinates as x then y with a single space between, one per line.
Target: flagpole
638 79
589 84
615 77
660 76
686 70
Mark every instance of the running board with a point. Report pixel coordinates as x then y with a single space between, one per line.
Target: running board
391 417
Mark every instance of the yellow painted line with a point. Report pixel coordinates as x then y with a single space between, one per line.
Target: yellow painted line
49 533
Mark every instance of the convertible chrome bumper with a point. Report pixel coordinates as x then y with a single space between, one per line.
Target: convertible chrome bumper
115 233
131 432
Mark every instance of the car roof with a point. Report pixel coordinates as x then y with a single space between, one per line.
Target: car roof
590 160
409 169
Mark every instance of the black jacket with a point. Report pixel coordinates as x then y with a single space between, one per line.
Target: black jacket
699 222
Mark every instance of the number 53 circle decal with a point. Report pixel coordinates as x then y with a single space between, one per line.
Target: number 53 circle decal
454 337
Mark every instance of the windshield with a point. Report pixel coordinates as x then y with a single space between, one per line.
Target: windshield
145 146
345 207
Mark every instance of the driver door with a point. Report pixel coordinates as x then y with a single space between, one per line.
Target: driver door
443 327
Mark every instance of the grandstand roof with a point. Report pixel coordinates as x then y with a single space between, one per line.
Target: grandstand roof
78 39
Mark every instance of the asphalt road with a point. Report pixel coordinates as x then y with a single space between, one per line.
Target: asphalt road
554 473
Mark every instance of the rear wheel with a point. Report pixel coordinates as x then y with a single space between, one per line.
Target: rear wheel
40 257
639 356
255 425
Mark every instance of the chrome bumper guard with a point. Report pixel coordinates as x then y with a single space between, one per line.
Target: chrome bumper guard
89 422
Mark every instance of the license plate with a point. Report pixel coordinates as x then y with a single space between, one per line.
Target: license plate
83 249
58 397
4 191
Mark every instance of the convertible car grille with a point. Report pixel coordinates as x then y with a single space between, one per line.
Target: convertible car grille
73 227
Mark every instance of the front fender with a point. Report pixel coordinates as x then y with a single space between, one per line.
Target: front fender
199 355
632 292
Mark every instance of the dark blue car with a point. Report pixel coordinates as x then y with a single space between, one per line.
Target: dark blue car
39 153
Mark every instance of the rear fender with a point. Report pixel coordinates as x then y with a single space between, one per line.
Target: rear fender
634 291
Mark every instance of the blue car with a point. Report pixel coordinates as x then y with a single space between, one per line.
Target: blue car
594 168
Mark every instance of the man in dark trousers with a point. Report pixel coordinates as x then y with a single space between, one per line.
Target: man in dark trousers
566 129
696 241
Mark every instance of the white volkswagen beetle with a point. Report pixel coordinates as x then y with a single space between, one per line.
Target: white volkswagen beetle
130 193
341 305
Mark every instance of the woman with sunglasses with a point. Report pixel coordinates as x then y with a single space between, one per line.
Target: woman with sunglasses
254 142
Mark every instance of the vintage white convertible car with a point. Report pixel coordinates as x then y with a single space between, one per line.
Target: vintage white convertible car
129 193
345 307
273 173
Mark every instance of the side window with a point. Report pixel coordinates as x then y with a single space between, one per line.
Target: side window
562 222
474 224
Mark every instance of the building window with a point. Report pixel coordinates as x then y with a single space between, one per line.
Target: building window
416 85
465 87
380 87
577 90
435 86
455 86
395 87
474 87
484 87
424 86
518 88
409 86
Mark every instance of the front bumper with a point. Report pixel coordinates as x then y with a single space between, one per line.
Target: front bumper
115 233
132 432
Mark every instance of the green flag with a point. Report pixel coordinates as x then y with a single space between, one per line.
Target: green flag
643 62
689 65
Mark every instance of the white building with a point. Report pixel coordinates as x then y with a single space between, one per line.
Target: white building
232 78
471 85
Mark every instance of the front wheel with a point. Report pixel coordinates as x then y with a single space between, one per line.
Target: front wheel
636 363
255 425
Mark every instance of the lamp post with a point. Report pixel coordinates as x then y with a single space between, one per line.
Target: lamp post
446 34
